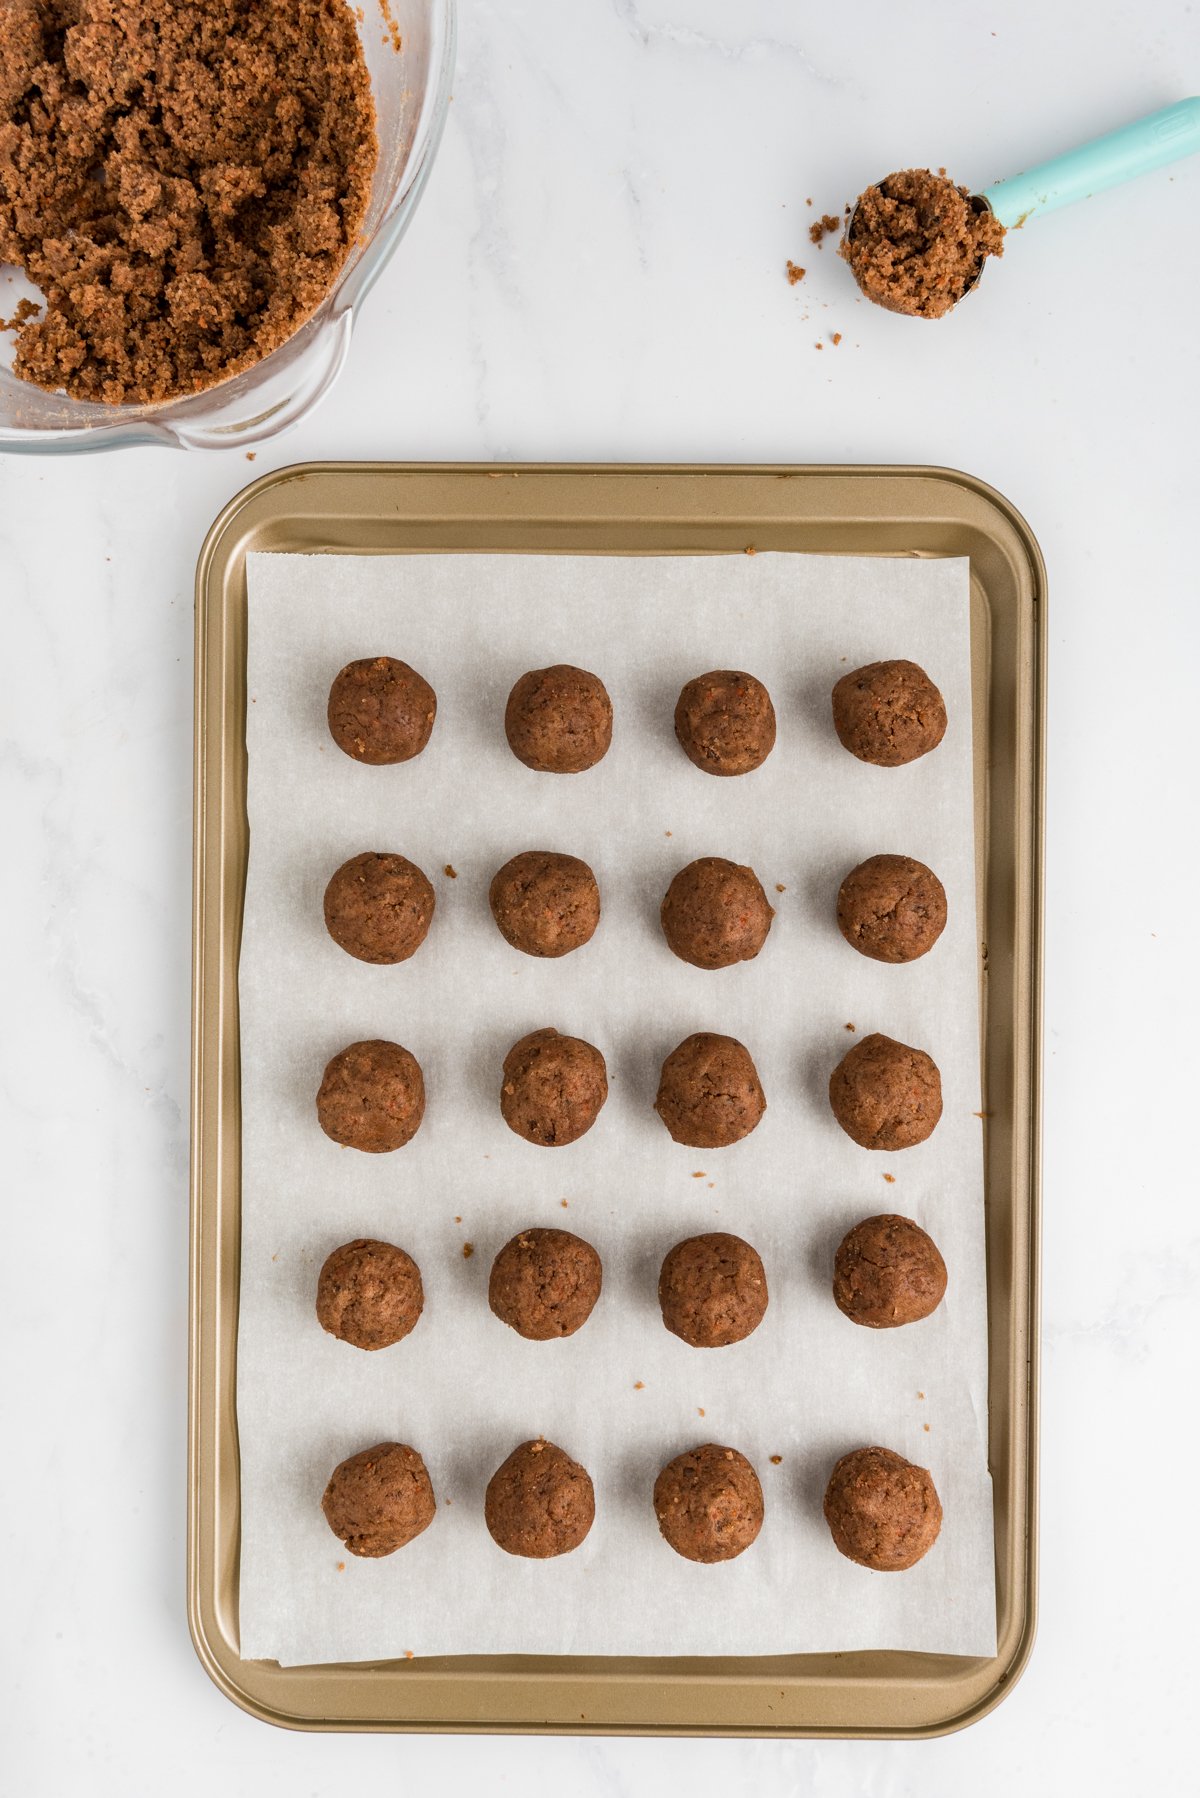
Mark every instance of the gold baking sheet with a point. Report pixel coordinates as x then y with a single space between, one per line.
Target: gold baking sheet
381 508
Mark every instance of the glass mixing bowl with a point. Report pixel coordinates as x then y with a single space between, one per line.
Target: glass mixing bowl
412 90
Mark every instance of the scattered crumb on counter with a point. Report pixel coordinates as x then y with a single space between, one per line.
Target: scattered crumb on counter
890 1178
794 272
563 1203
409 1655
251 455
849 1027
639 1385
920 1395
836 339
457 1219
823 227
779 887
925 1427
818 346
700 1410
449 872
775 1460
699 1173
668 833
808 202
468 1250
981 1114
341 1566
750 550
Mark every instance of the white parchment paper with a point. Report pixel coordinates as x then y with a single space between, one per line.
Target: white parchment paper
623 1395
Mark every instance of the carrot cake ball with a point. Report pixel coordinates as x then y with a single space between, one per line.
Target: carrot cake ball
886 1095
545 1283
725 722
539 1502
710 1095
715 913
891 908
712 1290
882 1511
559 720
369 1293
381 711
372 1097
888 1272
378 908
709 1503
888 713
553 1088
544 903
379 1499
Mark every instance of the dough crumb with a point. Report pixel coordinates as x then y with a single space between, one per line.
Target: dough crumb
699 1174
700 1410
849 1026
409 1655
750 550
26 309
563 1203
925 1427
639 1385
392 34
836 339
794 273
468 1249
775 1460
779 887
449 872
823 227
251 456
341 1566
890 1178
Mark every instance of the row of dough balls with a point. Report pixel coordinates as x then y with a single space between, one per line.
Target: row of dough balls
712 1289
558 720
883 1511
379 906
884 1094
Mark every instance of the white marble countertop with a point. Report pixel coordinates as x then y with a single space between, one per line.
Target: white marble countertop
597 272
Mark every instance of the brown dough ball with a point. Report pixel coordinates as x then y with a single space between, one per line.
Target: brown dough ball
539 1502
888 1272
545 1283
544 903
709 1503
553 1088
716 913
378 908
559 720
709 1095
725 722
882 1511
372 1097
369 1294
888 713
712 1290
381 711
891 908
886 1095
379 1499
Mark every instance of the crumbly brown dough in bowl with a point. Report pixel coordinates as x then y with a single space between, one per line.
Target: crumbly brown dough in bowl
916 243
182 181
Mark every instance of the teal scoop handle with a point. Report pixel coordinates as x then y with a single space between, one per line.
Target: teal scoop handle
1134 150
